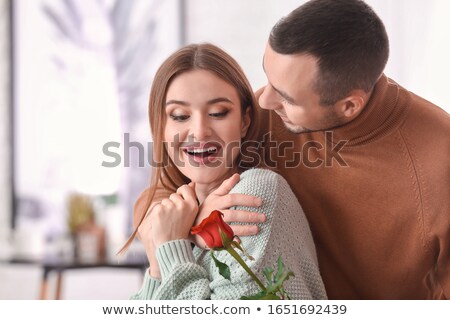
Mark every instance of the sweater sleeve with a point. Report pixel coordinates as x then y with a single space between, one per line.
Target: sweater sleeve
285 232
148 288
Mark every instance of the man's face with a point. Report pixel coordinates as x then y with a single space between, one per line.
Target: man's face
290 93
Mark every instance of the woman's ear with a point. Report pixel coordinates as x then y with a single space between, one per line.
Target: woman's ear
246 120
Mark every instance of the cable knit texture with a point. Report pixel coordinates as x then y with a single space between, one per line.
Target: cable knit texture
191 274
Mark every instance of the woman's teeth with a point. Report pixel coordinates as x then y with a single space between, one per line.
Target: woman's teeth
198 152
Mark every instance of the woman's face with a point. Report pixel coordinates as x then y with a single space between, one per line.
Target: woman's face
204 126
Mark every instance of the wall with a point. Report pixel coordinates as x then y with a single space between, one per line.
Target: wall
5 171
239 27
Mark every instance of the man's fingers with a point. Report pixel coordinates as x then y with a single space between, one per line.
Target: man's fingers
227 185
238 199
243 216
241 231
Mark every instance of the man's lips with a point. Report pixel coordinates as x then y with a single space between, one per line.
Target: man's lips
284 118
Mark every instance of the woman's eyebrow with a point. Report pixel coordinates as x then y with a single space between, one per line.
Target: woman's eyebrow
183 103
220 99
209 102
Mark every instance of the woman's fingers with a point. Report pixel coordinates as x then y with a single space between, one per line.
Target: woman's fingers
167 203
176 199
187 192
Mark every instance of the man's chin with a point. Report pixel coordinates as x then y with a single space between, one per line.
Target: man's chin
292 128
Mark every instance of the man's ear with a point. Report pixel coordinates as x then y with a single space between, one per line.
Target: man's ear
246 120
352 105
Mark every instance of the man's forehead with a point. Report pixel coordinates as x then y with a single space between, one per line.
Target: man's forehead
289 67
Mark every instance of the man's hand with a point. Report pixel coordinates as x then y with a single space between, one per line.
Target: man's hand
221 200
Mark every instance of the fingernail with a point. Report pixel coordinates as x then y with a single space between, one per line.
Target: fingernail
258 202
262 217
255 230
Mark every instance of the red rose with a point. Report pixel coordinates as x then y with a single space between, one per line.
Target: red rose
209 228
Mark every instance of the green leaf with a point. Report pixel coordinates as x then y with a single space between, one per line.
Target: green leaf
280 270
261 296
268 272
276 281
224 270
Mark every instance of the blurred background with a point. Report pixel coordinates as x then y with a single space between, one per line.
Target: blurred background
74 135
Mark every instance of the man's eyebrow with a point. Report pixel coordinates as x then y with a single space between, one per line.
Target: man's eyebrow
209 102
284 95
281 93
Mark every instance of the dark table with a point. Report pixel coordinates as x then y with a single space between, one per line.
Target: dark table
60 265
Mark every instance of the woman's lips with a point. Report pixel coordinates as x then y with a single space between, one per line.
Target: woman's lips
202 153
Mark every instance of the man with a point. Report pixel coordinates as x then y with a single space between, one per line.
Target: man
374 171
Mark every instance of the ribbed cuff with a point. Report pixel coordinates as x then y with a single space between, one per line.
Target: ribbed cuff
173 253
149 286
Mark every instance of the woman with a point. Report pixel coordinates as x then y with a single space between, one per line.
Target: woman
203 108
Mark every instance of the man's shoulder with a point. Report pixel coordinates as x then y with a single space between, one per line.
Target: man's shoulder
424 115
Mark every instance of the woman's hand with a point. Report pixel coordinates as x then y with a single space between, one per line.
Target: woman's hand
171 219
145 235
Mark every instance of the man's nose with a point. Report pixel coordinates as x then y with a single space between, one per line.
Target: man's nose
269 100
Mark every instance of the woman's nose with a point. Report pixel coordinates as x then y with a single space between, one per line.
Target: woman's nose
269 100
201 128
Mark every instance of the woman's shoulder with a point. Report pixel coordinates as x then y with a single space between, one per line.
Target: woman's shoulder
262 181
267 177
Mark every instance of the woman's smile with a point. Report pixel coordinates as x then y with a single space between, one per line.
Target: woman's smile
203 153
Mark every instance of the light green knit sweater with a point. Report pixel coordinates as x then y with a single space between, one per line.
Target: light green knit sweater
188 273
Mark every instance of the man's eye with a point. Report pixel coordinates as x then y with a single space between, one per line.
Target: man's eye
283 100
179 118
219 114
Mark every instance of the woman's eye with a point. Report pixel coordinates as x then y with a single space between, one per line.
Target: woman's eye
219 114
179 118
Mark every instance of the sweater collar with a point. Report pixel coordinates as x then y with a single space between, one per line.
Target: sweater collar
379 115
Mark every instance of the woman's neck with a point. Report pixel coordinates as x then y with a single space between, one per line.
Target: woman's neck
203 190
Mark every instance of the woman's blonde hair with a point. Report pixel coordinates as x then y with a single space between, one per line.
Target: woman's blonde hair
165 175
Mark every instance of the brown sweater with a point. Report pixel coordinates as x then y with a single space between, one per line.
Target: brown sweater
378 206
